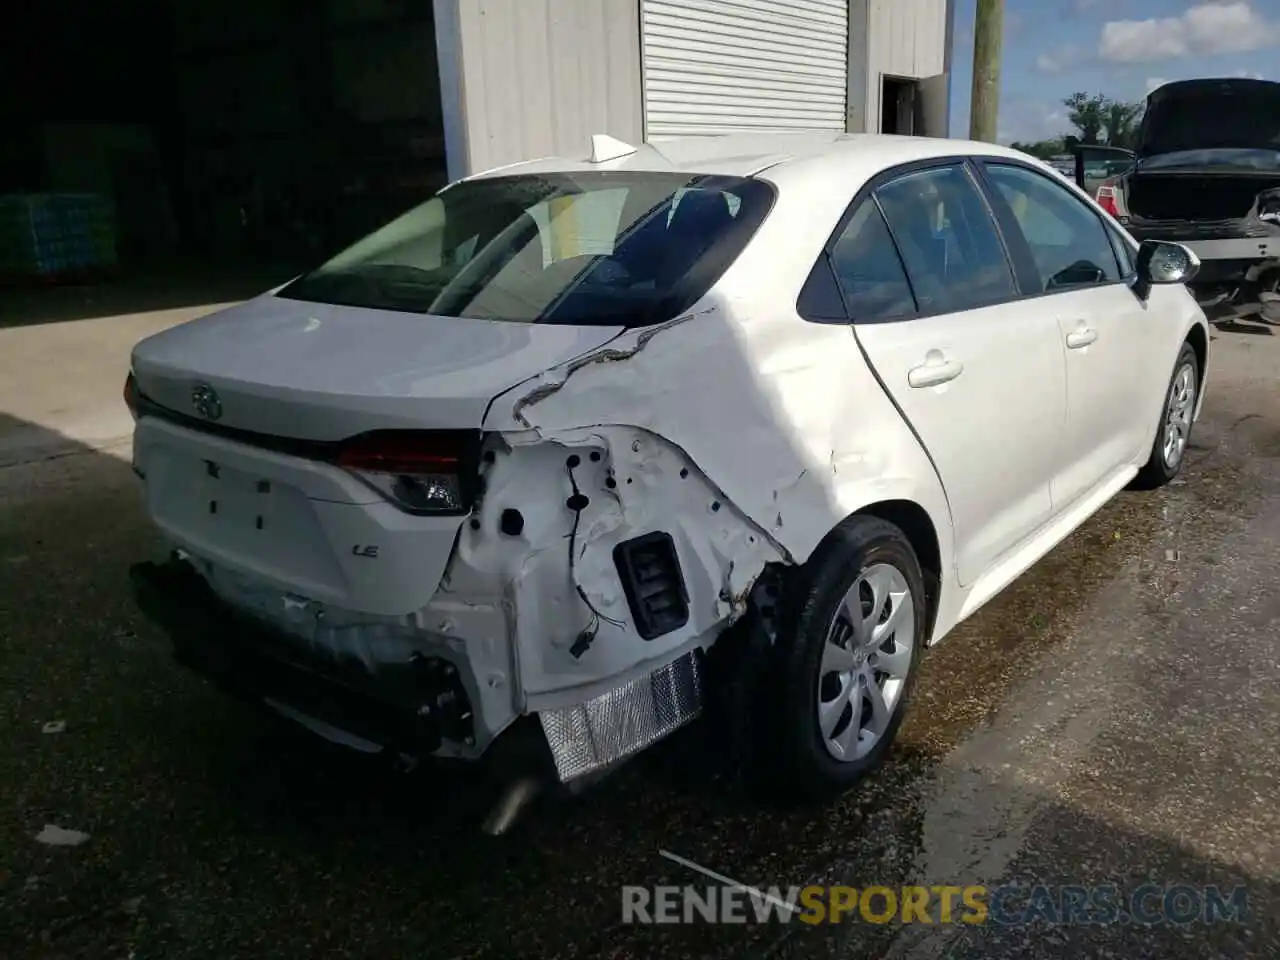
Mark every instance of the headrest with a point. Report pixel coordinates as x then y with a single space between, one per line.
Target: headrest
701 212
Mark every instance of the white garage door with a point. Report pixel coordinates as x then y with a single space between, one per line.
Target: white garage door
733 66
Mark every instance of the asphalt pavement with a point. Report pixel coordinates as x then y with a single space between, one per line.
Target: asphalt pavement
1112 721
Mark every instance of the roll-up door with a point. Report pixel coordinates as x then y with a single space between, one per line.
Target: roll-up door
734 66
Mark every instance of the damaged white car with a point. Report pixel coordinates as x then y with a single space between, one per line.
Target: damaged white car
578 445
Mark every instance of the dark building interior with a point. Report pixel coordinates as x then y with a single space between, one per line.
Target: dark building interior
224 130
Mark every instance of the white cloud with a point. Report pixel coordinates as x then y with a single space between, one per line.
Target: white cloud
1059 59
1248 75
1205 29
1153 82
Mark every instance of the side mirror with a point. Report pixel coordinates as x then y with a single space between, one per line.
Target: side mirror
1161 262
1091 154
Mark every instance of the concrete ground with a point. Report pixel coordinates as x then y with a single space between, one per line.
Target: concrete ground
1113 718
64 351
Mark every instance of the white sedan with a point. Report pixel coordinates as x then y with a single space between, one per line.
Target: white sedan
576 445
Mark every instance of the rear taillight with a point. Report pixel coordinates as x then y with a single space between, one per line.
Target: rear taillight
420 471
1107 199
131 394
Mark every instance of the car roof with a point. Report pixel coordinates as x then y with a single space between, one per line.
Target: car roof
749 154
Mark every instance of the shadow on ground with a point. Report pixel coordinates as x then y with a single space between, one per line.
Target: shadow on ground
214 831
140 290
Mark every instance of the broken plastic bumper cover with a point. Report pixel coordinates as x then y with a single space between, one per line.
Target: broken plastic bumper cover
409 708
591 736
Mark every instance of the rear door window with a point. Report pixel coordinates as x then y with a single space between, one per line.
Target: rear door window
948 240
872 280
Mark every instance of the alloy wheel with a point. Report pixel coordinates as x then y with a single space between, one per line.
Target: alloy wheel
1181 408
865 662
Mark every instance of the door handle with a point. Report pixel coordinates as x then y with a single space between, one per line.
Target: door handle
934 371
1081 338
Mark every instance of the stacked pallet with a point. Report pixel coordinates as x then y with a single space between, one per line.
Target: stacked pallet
56 237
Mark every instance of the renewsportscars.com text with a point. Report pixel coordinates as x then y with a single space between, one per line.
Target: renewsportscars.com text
1008 905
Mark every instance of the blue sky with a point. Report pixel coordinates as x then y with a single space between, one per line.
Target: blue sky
1118 47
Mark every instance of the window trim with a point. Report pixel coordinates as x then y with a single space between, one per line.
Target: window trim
974 181
822 271
998 201
1121 238
878 211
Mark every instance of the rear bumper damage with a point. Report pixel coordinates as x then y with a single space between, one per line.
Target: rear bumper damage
411 708
593 571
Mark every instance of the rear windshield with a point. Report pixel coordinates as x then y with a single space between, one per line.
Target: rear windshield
595 248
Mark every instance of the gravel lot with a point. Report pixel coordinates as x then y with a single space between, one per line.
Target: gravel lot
1112 718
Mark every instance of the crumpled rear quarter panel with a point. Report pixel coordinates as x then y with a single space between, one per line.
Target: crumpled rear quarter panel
781 414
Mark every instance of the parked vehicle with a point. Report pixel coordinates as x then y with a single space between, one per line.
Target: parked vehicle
1207 174
1064 164
1099 170
579 446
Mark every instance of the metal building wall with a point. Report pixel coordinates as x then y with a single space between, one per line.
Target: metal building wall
532 78
906 39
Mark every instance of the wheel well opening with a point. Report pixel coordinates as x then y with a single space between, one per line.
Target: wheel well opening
914 522
1201 346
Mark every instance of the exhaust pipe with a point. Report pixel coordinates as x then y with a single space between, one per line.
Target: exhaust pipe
515 799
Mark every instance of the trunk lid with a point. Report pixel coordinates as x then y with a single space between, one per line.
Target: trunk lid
256 485
1210 114
310 371
1208 153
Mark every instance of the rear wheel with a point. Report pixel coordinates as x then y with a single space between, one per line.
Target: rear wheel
1174 434
852 636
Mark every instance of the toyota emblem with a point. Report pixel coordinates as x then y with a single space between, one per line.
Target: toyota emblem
205 399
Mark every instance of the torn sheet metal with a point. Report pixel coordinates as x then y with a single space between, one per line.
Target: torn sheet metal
554 566
780 415
550 382
533 571
1267 207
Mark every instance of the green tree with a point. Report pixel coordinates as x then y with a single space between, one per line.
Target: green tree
1087 112
1121 122
1043 149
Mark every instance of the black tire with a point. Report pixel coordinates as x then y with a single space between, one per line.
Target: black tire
1158 470
792 750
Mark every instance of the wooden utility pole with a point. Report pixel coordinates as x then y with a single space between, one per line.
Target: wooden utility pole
988 37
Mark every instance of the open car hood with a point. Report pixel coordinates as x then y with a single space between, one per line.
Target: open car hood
1210 115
